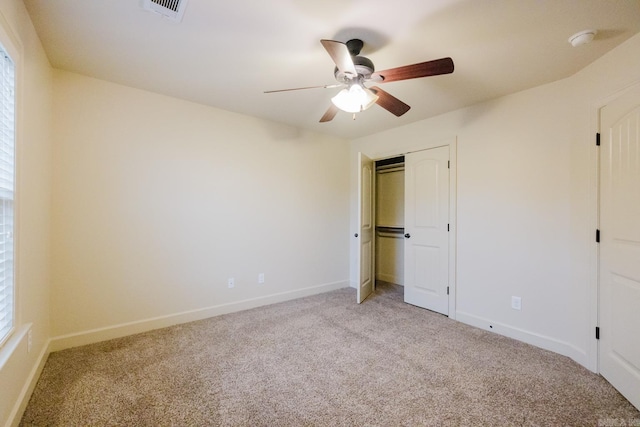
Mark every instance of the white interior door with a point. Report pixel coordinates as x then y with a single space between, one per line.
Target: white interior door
426 243
619 300
365 234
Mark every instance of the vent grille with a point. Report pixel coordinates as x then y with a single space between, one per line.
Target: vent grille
168 4
170 9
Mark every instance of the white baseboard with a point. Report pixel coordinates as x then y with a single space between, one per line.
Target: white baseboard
131 328
538 340
25 394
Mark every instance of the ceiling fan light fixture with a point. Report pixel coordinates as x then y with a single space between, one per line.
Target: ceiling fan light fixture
354 99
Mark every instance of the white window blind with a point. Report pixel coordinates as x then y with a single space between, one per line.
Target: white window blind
7 162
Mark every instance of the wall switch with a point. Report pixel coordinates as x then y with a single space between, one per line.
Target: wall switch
516 303
261 278
29 340
231 282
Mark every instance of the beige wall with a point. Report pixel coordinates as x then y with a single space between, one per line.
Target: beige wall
526 213
33 212
158 201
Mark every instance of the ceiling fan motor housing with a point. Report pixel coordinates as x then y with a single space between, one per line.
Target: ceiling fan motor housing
364 67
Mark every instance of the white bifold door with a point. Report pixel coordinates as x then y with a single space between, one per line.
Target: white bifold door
619 293
426 243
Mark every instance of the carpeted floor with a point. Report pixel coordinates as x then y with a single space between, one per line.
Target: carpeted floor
322 361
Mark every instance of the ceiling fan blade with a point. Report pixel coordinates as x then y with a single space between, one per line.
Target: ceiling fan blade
302 88
390 102
423 69
339 52
330 114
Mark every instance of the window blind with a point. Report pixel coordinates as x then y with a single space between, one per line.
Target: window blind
7 173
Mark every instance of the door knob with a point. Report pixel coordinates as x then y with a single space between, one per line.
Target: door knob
355 235
407 235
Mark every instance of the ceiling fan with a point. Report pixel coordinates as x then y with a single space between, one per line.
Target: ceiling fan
353 71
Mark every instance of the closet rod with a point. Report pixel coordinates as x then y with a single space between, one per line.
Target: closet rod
390 230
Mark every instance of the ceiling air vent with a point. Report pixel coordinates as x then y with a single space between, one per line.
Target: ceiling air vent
170 9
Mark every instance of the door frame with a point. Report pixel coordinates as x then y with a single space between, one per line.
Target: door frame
593 349
425 145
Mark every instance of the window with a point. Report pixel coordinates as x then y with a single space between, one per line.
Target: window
7 163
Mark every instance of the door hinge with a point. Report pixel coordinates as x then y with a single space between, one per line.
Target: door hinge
598 139
447 290
447 227
448 164
597 236
597 332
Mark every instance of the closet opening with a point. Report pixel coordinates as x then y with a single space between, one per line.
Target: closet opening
389 222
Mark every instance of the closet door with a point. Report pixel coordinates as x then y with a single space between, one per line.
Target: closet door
365 230
426 243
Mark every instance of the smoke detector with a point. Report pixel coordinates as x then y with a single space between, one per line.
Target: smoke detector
170 9
583 37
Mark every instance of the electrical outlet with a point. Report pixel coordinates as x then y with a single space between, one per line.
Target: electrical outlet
261 278
516 303
231 282
29 340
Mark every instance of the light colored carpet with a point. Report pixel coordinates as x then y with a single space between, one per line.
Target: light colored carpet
321 361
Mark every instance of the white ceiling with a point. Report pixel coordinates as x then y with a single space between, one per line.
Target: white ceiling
226 53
